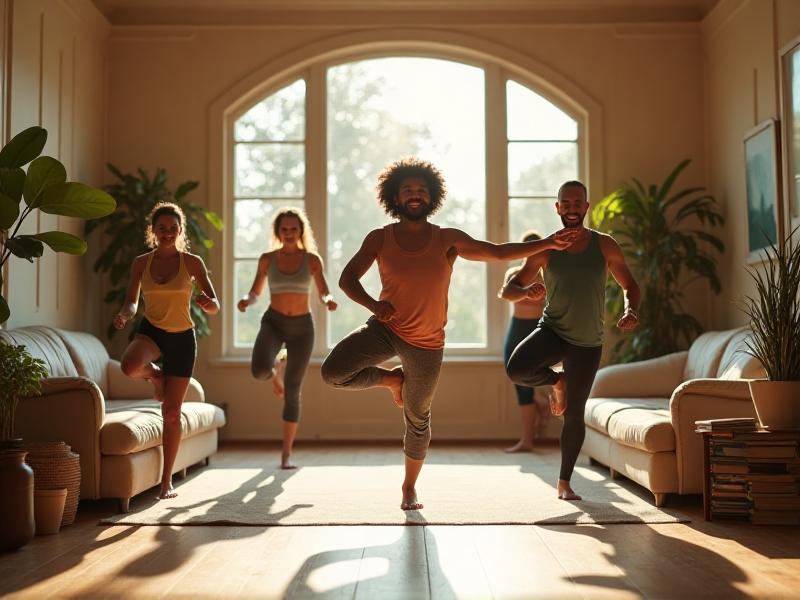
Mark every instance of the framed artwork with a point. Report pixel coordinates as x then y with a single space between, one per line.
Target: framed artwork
762 174
790 117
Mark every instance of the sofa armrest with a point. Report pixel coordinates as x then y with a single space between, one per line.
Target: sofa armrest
653 378
71 410
122 387
703 399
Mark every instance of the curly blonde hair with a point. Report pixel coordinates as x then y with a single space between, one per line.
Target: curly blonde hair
173 210
307 240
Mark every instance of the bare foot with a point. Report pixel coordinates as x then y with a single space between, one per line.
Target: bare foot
520 446
167 492
158 385
280 369
410 501
394 381
565 492
286 463
558 399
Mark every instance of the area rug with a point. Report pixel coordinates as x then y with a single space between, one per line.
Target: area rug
480 488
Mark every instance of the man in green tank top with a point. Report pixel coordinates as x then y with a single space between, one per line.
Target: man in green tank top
571 328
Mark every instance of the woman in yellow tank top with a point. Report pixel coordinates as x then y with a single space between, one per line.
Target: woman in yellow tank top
166 278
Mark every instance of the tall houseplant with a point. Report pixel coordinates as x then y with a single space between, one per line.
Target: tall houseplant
43 187
136 195
661 234
774 313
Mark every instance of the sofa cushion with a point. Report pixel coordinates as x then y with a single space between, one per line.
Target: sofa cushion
705 354
599 411
134 425
45 343
642 428
736 363
89 356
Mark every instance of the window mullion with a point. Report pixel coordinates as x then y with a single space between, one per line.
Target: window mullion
496 200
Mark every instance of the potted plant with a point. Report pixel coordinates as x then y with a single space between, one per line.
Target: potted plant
662 233
20 375
774 313
44 187
136 195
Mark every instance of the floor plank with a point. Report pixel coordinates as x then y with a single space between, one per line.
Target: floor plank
696 559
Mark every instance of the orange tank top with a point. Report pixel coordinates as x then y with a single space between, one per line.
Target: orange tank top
416 283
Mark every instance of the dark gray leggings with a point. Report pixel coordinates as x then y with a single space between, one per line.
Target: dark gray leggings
298 335
352 364
530 364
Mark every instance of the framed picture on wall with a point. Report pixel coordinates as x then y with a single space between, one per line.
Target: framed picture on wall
762 174
790 117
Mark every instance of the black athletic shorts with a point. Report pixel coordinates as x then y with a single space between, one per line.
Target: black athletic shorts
178 350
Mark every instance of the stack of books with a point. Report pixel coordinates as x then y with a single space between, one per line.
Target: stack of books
754 474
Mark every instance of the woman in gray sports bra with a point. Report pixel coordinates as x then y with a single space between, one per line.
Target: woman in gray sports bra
288 270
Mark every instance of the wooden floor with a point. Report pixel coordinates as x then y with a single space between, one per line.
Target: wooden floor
690 560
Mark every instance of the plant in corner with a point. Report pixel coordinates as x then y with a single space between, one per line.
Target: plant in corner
774 313
44 187
136 195
661 232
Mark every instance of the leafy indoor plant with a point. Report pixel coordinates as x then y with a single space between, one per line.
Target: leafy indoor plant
774 313
20 375
136 195
43 187
662 235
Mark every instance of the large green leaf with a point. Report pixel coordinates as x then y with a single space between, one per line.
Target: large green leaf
184 188
4 310
72 199
43 172
9 211
23 147
60 241
25 247
12 182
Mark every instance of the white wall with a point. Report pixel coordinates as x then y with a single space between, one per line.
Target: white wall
57 80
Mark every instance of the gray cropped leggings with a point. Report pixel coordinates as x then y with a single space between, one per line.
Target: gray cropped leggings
352 365
298 334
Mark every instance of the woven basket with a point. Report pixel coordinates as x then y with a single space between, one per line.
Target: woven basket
55 467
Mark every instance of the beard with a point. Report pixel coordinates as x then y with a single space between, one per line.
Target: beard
570 225
418 215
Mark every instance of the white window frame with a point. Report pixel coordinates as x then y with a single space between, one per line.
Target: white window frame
496 74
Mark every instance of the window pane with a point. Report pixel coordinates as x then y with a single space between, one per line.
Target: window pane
526 214
281 116
539 168
376 116
531 117
253 219
270 170
466 314
246 324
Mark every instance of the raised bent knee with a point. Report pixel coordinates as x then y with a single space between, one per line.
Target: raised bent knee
331 375
262 373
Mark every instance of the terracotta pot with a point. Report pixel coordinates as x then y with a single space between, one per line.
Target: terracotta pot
777 403
48 508
16 499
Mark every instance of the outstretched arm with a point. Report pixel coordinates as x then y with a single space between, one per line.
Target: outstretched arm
350 279
318 273
615 260
472 249
131 304
259 281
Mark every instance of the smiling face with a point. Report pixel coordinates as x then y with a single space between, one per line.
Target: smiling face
572 205
167 228
289 231
414 199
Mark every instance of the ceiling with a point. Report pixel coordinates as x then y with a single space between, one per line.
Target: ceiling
226 12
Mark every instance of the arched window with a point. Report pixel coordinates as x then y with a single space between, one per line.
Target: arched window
335 127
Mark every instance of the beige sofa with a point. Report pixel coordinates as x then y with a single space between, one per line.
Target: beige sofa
640 416
110 420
